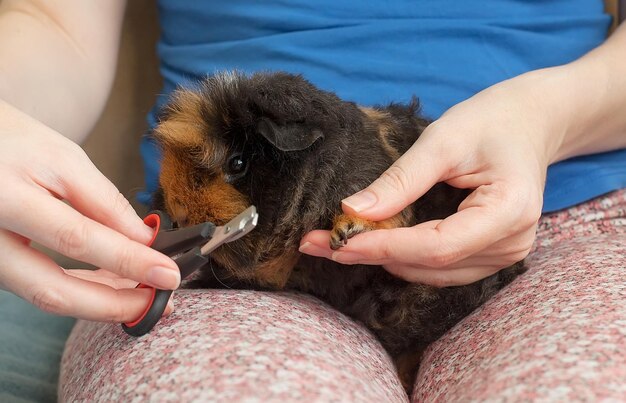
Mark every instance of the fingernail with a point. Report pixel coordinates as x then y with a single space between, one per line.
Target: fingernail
148 231
146 234
347 257
163 278
314 250
361 200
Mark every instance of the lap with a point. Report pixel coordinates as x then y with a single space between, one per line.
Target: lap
232 345
556 333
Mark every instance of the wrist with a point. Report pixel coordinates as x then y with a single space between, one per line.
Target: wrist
547 109
570 101
574 97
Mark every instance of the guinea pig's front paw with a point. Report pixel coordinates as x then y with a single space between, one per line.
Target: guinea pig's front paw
345 227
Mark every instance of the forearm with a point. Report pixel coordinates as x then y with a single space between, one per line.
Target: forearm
57 62
588 100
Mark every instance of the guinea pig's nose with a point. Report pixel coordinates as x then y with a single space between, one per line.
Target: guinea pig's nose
179 215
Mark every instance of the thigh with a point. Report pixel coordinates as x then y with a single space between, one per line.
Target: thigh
558 332
225 345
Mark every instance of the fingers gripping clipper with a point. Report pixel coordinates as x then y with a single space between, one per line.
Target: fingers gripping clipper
189 247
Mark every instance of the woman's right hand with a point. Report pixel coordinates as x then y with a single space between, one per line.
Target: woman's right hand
39 170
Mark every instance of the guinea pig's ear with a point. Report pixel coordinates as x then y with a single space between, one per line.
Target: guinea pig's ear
288 137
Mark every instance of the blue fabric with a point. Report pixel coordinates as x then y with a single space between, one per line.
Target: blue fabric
376 52
31 344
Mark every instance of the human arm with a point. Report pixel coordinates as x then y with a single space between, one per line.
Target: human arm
57 62
500 143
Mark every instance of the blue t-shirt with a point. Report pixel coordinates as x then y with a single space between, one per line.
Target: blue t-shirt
377 52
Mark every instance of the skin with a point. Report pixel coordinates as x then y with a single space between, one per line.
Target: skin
57 58
500 143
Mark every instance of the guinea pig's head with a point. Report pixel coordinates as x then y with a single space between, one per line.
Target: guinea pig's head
237 140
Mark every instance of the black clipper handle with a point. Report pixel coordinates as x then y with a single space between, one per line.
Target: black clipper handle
188 263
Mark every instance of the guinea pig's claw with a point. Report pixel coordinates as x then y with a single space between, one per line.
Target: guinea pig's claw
336 243
345 227
337 240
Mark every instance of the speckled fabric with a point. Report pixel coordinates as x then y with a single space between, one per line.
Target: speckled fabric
232 346
558 333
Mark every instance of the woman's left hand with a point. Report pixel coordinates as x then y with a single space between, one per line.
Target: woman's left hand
498 143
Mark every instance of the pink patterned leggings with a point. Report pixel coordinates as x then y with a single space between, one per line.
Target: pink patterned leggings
557 333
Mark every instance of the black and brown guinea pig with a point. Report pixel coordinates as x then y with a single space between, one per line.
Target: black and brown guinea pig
275 141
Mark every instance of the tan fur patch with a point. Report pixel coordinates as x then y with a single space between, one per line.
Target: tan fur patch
276 272
184 126
385 128
186 129
402 219
360 224
174 181
407 365
177 212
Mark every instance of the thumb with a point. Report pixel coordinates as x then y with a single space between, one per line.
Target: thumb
412 175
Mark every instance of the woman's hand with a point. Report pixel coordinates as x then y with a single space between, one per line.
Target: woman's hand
39 168
498 143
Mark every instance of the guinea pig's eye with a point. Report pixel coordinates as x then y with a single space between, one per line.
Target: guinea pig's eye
236 166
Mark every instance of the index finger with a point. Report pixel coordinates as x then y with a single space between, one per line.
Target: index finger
78 181
59 227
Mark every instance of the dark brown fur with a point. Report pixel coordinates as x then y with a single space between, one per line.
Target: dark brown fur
306 150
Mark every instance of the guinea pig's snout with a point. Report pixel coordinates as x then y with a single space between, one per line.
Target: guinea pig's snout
178 214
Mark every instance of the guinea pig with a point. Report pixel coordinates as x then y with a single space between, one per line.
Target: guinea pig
275 141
